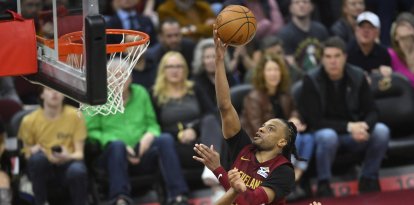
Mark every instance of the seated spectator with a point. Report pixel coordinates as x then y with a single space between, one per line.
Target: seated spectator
267 13
402 40
137 146
195 17
270 99
364 51
170 39
273 45
126 17
345 26
302 36
5 192
173 94
204 68
7 90
53 137
338 105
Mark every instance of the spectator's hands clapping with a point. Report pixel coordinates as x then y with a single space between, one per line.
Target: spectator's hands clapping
235 181
208 156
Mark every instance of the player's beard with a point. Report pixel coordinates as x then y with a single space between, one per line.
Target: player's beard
257 146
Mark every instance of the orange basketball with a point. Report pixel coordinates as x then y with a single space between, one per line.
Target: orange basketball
236 25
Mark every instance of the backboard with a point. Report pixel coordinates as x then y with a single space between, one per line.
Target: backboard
84 77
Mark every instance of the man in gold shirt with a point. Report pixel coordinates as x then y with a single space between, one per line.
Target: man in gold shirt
53 137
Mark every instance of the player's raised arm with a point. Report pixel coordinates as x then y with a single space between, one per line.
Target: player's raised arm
229 117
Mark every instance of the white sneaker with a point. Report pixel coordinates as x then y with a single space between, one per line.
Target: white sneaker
209 178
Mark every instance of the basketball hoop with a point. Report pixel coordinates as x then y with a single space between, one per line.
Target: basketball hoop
128 51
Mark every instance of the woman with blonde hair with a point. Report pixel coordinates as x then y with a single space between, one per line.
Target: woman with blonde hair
402 51
183 109
271 98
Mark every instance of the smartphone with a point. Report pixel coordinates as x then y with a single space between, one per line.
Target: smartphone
57 149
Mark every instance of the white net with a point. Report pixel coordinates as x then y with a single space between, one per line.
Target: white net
119 68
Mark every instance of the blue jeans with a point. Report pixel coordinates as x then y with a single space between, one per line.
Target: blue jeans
72 175
328 141
304 143
161 154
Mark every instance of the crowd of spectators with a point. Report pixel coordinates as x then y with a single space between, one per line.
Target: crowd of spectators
170 97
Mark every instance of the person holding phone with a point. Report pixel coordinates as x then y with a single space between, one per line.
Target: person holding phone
53 136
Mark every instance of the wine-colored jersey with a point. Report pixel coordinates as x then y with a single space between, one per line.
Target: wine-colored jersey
276 174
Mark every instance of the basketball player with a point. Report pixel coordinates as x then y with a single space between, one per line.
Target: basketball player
262 172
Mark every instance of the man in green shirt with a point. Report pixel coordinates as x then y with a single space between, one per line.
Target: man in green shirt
133 138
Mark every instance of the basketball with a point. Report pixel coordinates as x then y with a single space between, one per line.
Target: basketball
236 25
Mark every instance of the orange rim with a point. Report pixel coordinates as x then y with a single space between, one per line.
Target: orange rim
72 42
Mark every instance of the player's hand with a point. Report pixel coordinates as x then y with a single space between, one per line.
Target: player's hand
235 181
220 46
315 203
208 156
